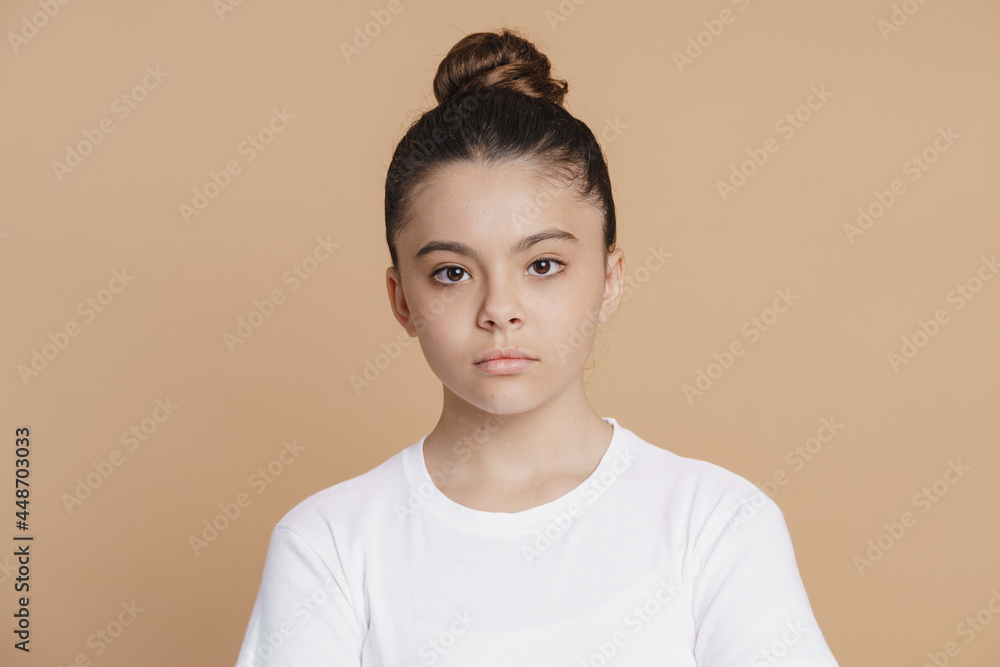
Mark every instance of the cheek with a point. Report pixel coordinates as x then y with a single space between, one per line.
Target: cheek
433 311
442 326
569 329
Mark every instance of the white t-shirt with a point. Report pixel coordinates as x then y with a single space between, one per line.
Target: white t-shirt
655 559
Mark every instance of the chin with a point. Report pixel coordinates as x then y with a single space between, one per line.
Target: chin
499 402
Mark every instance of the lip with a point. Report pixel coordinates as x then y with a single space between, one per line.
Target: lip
505 366
504 361
504 353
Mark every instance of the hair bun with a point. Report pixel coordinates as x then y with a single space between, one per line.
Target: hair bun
504 60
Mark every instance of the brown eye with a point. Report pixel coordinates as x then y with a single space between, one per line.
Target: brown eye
546 265
452 274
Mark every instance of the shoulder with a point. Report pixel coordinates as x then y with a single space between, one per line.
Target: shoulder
700 489
706 508
345 504
685 474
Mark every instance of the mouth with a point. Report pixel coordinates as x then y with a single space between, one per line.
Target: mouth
505 365
504 353
504 361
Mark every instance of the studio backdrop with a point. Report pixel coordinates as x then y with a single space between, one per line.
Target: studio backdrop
196 333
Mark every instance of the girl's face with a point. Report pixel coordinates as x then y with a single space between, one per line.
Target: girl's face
502 257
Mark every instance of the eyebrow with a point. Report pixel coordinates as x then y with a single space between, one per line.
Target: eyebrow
520 246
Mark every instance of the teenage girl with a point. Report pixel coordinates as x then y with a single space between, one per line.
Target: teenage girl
524 529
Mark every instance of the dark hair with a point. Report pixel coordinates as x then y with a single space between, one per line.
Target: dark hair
497 104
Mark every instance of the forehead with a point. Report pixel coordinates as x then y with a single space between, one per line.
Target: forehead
481 203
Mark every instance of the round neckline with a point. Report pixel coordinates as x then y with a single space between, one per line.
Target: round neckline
430 497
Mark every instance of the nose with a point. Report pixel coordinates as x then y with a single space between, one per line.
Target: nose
490 323
501 308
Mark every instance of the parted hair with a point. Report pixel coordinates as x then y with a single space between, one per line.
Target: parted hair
497 104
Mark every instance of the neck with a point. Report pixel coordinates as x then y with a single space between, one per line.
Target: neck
566 434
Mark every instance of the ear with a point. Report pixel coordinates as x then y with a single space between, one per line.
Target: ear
614 285
397 301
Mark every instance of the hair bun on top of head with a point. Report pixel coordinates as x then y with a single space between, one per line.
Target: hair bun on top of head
502 60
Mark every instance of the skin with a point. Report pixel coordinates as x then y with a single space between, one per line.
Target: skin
538 435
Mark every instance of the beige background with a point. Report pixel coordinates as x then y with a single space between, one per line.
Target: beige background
680 131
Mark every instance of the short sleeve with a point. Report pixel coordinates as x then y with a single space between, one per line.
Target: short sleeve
749 604
302 614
